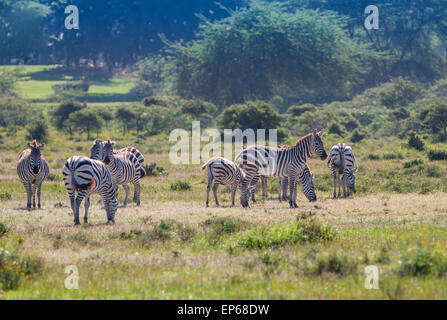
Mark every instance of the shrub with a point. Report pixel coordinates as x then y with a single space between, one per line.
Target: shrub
224 225
152 170
413 163
393 155
180 186
415 142
14 266
70 88
434 171
5 196
372 156
357 136
3 230
335 128
279 236
434 154
335 263
38 130
299 110
399 93
161 231
423 261
8 79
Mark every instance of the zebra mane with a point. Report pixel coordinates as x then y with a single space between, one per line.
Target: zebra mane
305 138
34 143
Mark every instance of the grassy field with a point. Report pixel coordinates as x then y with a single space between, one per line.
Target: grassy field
173 247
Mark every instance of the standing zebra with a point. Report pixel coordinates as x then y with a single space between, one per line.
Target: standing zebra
277 162
32 169
131 153
88 176
124 168
341 161
224 172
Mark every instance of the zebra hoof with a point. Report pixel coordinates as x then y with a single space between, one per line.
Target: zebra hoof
85 220
77 223
111 222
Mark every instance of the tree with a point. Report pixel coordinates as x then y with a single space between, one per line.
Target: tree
62 114
8 79
263 49
86 120
38 130
436 117
106 115
126 116
251 115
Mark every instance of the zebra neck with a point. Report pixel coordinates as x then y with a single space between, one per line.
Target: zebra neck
302 149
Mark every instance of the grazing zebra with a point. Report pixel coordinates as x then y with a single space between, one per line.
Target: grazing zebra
124 168
341 161
277 162
32 169
224 172
88 176
98 152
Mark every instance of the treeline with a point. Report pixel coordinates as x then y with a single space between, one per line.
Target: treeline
117 33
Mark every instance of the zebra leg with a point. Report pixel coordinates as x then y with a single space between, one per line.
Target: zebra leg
28 188
110 207
86 206
292 189
34 195
339 185
39 187
216 185
77 204
265 192
233 193
279 189
345 187
253 186
285 182
334 174
127 190
208 189
245 192
137 192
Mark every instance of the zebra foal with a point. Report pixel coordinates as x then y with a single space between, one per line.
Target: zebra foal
32 170
341 162
224 172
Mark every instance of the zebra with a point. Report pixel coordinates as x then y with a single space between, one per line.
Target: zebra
277 162
97 152
282 184
124 168
341 161
32 169
87 176
224 172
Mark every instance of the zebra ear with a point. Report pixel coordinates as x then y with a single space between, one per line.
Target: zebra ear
29 145
312 175
314 132
354 170
321 133
42 145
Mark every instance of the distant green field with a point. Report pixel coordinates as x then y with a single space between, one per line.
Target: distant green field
29 87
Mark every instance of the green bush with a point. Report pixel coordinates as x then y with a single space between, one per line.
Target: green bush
14 267
5 196
392 156
3 229
152 170
180 186
299 110
357 136
413 163
415 142
339 264
224 225
38 130
423 261
335 128
279 236
399 93
435 154
372 156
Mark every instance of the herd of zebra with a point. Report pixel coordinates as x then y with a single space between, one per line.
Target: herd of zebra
107 168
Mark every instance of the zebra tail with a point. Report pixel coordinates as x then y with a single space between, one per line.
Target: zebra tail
142 172
206 165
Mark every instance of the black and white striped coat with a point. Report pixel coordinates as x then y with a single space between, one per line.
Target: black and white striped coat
32 170
341 162
131 153
224 172
125 169
279 162
87 176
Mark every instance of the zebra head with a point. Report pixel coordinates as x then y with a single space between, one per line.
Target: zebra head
318 145
97 150
240 176
307 184
351 179
108 151
35 156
